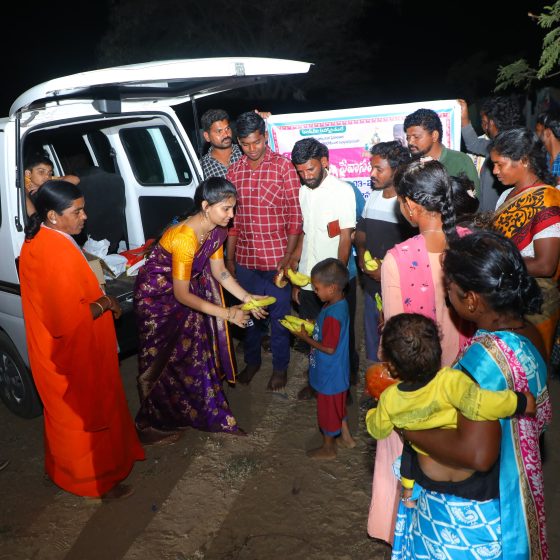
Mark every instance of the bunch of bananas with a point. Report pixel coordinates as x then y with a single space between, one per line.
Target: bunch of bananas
254 303
370 262
294 324
298 278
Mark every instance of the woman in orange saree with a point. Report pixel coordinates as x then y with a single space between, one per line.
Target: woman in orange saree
528 213
90 439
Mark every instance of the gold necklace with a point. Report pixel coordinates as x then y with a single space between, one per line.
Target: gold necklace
203 236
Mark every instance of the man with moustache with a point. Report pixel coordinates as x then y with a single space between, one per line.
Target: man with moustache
424 133
223 151
380 228
263 238
328 206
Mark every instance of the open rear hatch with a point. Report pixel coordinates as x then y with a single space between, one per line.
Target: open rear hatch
167 82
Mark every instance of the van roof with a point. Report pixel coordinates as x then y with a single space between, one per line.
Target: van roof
176 81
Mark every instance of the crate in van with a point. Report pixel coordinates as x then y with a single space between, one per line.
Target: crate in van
117 129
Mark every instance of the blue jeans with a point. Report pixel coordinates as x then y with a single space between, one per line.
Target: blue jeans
371 327
260 282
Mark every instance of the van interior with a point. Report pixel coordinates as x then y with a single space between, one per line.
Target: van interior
155 161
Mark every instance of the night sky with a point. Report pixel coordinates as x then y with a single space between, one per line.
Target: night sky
423 51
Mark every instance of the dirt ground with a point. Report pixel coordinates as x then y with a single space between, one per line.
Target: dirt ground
214 496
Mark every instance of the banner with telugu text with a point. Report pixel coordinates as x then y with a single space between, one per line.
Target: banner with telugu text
350 133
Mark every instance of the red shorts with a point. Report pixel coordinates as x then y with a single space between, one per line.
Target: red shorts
331 411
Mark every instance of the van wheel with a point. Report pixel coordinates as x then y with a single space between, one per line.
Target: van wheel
17 389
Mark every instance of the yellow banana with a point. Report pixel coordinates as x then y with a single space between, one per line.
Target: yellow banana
254 303
294 326
369 262
287 324
297 278
298 322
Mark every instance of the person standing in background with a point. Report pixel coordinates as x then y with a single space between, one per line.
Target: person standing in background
223 151
380 227
263 238
496 114
424 134
328 206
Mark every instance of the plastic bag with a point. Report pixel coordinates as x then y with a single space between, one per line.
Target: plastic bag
97 248
378 379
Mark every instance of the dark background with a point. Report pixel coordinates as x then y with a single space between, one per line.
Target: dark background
364 52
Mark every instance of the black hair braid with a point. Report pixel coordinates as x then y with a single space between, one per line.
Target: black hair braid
33 226
447 210
530 295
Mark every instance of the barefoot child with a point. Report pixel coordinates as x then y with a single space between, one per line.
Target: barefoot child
329 362
429 397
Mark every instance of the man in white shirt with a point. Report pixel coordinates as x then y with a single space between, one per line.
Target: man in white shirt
328 206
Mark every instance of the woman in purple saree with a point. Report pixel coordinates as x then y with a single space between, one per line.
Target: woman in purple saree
184 351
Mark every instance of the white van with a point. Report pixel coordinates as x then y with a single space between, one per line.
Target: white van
121 121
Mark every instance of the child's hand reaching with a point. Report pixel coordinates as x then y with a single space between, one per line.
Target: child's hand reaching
531 408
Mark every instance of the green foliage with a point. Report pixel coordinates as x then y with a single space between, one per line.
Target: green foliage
520 72
516 74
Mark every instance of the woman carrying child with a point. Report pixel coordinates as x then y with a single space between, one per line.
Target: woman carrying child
488 284
412 282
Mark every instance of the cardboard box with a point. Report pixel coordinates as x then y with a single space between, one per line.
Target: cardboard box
95 265
99 267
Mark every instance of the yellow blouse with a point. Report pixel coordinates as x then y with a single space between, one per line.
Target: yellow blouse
182 243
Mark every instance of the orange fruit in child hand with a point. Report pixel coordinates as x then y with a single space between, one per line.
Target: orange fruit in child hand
378 378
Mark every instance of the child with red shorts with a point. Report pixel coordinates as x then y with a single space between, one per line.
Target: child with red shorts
329 361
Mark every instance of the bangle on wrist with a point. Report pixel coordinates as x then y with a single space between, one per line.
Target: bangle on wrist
100 307
107 298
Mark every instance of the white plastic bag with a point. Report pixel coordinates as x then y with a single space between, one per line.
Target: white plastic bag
97 248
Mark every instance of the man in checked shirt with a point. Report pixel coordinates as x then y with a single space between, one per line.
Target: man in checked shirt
262 239
223 151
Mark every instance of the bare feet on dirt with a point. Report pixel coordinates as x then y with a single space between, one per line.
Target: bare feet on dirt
322 453
346 443
247 373
306 393
277 381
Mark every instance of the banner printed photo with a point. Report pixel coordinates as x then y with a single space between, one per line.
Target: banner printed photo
350 133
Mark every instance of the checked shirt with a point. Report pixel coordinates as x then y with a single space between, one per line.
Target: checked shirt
267 210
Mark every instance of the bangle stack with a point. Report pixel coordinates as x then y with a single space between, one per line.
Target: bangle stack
100 307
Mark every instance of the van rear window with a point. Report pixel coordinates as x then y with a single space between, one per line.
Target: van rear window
156 156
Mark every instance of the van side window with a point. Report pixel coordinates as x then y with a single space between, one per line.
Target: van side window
155 156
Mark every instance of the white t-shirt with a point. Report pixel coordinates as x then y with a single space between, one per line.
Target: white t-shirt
332 200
